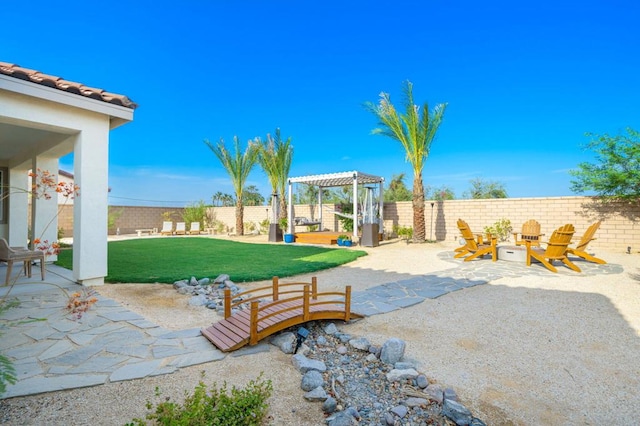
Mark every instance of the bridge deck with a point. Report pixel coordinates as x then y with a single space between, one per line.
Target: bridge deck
268 317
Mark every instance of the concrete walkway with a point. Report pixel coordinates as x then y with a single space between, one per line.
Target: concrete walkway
51 351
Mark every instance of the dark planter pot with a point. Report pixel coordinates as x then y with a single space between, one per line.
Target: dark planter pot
289 238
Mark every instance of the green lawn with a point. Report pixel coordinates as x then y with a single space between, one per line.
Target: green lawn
165 260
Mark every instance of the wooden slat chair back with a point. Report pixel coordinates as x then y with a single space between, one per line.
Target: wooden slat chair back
581 248
530 232
20 254
474 244
556 249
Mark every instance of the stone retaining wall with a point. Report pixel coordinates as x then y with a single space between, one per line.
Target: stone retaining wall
620 223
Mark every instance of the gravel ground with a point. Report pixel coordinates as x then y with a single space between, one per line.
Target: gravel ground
559 350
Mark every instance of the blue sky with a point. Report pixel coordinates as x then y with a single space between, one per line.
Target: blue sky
523 81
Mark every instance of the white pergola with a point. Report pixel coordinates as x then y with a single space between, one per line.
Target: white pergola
333 180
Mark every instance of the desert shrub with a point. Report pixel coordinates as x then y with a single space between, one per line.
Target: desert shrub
242 407
7 370
196 212
264 226
501 229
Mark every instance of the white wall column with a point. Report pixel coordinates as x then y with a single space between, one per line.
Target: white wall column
90 208
355 207
44 212
290 210
18 207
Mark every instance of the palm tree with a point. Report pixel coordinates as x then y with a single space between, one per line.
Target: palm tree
415 131
275 159
238 166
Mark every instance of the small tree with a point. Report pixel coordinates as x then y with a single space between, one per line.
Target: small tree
397 190
439 194
617 174
485 189
238 165
196 212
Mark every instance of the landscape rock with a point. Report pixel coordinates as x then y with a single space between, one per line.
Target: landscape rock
221 279
392 351
422 381
317 394
360 343
415 402
311 380
329 406
193 282
304 364
285 341
400 411
399 375
199 300
457 412
342 418
330 329
435 393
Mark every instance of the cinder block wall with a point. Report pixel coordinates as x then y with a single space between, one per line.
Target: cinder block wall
620 222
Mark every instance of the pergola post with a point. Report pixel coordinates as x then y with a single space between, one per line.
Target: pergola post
355 206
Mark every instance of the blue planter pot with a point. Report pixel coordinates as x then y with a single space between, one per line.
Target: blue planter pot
347 243
289 238
340 242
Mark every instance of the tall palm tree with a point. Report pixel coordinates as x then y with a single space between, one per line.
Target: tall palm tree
275 159
238 165
415 130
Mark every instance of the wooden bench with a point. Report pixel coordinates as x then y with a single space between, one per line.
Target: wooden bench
146 231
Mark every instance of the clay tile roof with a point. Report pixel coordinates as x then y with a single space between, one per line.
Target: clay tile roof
68 86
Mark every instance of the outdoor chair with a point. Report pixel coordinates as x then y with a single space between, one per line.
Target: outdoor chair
474 244
181 228
530 232
556 249
167 228
195 228
20 254
581 248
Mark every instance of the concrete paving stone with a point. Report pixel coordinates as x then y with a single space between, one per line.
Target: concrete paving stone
58 369
167 369
143 323
160 352
13 340
431 293
198 358
64 325
29 349
406 302
51 384
161 341
250 350
191 332
134 350
135 370
196 343
26 368
77 355
123 336
156 332
105 363
58 348
122 315
81 339
104 302
41 332
90 321
107 328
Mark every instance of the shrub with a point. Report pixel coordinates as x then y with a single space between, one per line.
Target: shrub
243 407
264 226
501 229
196 212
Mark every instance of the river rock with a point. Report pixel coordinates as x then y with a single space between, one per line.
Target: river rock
392 351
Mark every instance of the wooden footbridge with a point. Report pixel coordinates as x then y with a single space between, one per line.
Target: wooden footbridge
274 308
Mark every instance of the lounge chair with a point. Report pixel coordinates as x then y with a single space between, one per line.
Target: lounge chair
530 232
20 254
167 228
556 249
181 228
195 228
474 244
581 249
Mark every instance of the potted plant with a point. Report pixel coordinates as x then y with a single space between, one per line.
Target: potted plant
288 238
344 240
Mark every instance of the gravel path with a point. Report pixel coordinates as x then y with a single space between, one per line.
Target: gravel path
554 349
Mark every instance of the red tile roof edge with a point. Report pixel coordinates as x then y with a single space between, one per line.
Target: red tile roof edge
59 83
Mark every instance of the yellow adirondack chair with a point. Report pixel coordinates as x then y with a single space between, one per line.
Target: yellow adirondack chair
530 232
581 249
475 247
556 249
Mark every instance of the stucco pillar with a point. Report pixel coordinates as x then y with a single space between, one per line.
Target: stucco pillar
44 212
18 207
91 156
